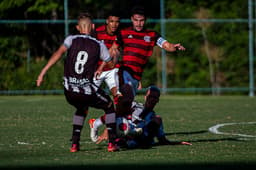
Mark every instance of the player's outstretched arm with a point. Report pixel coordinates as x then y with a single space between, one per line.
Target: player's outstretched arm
165 141
54 58
172 47
180 143
185 143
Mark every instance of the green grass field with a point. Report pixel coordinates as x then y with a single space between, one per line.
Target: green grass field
35 133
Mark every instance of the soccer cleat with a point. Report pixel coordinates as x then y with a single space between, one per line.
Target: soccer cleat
91 122
112 147
74 148
93 131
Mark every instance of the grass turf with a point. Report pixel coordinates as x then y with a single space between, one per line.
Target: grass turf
35 133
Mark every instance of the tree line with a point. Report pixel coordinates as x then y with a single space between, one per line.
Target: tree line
216 53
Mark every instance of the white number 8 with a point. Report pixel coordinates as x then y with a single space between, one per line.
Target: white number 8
81 59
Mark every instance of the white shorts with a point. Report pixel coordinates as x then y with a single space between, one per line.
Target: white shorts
110 77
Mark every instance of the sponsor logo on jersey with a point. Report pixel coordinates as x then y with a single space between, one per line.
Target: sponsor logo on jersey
74 80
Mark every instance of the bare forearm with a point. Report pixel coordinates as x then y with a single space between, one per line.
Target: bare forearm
54 58
172 47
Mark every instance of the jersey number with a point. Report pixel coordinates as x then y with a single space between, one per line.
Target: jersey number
81 59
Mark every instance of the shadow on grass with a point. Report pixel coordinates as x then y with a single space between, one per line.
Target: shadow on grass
203 140
215 140
187 133
213 166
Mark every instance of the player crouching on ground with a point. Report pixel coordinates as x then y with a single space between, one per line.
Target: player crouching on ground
143 127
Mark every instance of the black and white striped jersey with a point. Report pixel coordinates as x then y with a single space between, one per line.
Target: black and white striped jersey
83 54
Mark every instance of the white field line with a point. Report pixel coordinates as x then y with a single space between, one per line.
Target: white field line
43 143
214 129
26 143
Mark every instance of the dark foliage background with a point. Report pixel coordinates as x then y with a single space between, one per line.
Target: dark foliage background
216 53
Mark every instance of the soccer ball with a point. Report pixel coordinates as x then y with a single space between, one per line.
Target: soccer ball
122 126
125 127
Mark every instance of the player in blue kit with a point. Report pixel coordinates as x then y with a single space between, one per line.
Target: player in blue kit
142 126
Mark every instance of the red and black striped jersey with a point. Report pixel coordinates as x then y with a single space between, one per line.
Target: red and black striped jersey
108 40
137 48
102 35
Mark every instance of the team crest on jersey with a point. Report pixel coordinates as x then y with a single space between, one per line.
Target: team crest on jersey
130 36
147 38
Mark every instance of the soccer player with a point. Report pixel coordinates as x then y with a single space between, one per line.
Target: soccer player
151 123
83 54
137 43
107 34
143 117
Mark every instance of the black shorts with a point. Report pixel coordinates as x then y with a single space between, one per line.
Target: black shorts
98 99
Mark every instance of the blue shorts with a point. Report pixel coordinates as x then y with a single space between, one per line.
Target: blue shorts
128 79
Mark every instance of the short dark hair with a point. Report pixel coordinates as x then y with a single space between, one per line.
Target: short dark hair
155 90
114 13
152 98
138 10
84 15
